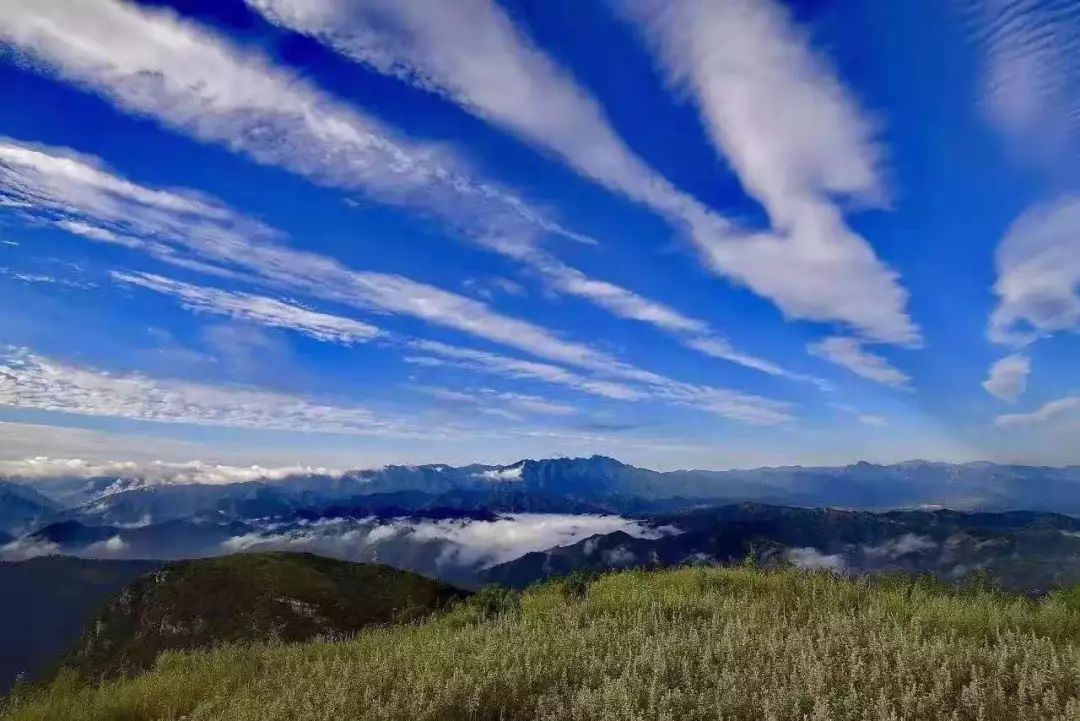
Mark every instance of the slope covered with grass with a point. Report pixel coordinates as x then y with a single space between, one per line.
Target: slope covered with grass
695 643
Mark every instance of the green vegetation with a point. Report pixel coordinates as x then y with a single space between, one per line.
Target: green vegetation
693 643
245 598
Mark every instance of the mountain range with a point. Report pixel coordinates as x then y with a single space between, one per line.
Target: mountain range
69 542
1026 552
562 485
477 523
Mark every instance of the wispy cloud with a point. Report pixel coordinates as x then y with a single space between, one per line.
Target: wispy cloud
797 139
500 403
485 361
255 309
1046 413
720 348
850 353
870 419
1031 73
535 404
1008 377
174 225
28 380
867 419
691 332
743 407
469 401
1038 274
206 233
154 63
487 288
220 239
473 54
42 278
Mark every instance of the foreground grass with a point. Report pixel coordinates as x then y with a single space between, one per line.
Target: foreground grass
695 643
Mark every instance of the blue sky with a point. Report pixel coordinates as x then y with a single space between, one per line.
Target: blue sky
703 233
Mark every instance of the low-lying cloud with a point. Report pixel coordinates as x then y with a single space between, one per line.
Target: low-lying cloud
811 559
462 543
151 473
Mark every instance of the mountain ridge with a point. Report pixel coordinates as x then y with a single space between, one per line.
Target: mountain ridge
246 598
596 484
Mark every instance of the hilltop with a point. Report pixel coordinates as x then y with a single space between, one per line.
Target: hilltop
693 643
246 598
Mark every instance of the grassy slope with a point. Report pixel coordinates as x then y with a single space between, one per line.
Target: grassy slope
249 597
696 643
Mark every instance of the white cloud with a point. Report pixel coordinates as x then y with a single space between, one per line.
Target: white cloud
720 348
1008 377
80 195
108 547
797 139
1031 73
401 295
255 309
1038 269
24 549
151 473
152 62
901 546
850 353
622 302
488 287
691 332
870 419
620 556
32 381
513 473
867 419
469 543
482 399
219 237
170 224
41 278
472 53
742 407
535 404
113 50
485 361
1046 413
812 559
